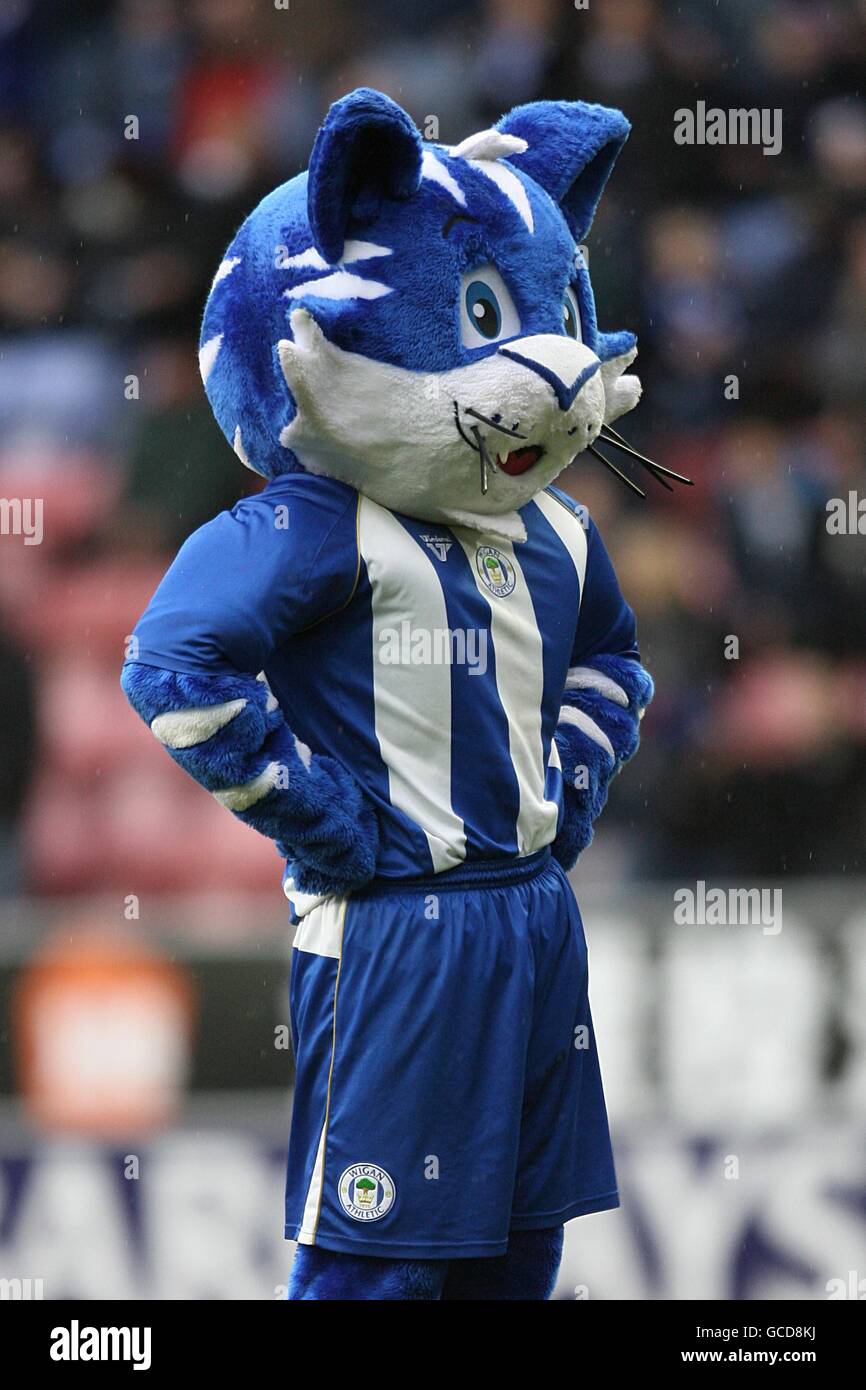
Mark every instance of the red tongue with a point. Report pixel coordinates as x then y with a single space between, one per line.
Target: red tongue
519 460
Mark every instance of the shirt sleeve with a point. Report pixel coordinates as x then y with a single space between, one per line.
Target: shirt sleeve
606 625
243 583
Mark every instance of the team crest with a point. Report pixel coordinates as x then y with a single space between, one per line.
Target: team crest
497 573
366 1192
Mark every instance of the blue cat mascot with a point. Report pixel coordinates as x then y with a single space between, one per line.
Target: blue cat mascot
407 662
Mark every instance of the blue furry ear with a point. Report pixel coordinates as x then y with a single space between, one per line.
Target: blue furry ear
612 345
368 149
571 148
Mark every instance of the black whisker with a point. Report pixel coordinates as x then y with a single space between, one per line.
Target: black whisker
658 470
616 441
460 430
484 458
476 414
616 434
613 468
649 465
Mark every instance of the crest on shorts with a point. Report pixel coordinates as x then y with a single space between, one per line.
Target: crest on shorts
366 1192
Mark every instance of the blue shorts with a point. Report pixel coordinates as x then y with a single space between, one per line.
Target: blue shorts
448 1087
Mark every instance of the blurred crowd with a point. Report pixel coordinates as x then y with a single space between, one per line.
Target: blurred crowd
135 135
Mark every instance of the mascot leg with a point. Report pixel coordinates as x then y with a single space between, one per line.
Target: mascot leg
324 1274
526 1271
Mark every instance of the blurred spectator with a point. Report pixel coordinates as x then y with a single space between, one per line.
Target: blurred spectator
17 754
180 472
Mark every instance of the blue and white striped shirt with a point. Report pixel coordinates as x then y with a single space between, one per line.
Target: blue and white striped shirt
429 660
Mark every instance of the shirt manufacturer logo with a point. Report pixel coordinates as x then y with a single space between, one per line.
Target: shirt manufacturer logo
440 545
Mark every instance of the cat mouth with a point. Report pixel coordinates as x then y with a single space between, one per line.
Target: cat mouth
513 462
519 460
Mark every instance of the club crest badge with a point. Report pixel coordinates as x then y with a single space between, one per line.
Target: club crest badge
496 572
366 1192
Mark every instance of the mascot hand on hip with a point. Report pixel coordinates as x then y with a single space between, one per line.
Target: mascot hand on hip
407 661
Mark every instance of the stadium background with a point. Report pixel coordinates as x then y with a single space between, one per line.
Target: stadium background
144 1078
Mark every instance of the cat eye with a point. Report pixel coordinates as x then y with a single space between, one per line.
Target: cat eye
487 312
571 315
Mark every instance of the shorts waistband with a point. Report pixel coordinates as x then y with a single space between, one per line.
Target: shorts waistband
481 873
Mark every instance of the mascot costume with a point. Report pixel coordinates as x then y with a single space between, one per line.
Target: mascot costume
407 662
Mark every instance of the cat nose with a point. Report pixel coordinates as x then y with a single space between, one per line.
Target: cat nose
562 362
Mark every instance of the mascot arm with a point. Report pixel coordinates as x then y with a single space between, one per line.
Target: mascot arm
237 590
606 693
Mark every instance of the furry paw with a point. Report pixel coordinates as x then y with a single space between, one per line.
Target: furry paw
598 731
338 851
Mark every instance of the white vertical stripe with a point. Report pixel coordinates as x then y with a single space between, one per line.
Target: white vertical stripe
519 668
570 531
335 913
412 704
309 1221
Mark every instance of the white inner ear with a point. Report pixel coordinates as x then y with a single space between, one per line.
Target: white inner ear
621 393
488 144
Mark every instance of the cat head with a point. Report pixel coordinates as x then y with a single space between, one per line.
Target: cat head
417 320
